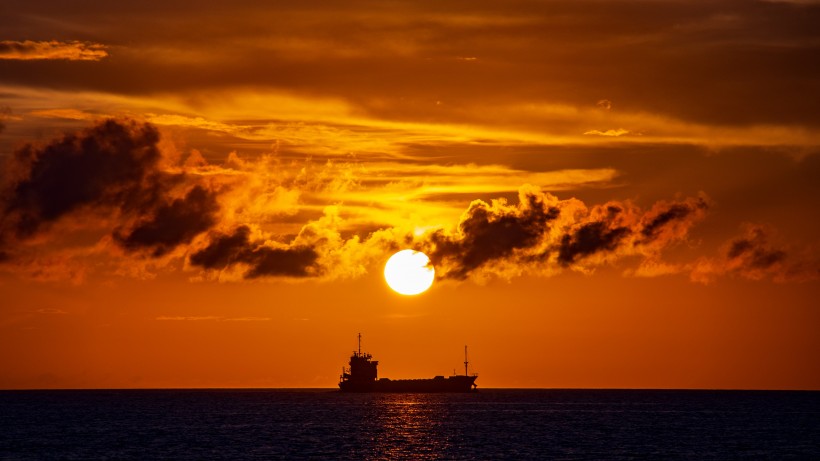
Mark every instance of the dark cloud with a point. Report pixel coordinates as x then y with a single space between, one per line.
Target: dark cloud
291 262
223 249
541 231
107 165
226 250
754 256
665 217
489 232
113 167
738 247
650 230
588 239
753 251
172 224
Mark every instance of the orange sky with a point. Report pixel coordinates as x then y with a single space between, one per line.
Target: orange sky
613 193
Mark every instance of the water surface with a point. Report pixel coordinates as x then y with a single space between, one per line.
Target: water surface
490 424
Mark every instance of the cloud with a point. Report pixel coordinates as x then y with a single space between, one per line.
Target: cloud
106 165
543 234
753 256
753 252
4 111
187 318
489 232
172 223
72 51
614 133
654 267
590 238
182 318
113 168
247 319
325 127
668 221
67 114
409 52
150 204
320 249
259 258
6 114
539 234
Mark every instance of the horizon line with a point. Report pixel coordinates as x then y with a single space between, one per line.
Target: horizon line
480 389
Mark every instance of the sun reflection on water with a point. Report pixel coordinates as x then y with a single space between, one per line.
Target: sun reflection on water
409 426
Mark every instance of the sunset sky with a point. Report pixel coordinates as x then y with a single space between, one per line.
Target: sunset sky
614 194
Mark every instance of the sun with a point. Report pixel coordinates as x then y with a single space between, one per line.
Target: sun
409 272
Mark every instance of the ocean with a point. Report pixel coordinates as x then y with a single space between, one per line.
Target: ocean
559 424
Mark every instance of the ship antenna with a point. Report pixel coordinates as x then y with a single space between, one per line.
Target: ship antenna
465 361
360 344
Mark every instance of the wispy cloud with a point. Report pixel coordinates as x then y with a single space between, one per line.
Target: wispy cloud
5 112
211 318
247 319
48 50
180 318
610 132
67 114
306 125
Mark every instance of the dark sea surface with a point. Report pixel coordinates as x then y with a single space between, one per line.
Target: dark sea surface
490 424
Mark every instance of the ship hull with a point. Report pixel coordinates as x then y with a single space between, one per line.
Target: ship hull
437 385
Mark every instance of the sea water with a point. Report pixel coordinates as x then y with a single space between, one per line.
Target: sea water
490 424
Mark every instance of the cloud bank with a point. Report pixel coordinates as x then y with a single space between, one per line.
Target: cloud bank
146 203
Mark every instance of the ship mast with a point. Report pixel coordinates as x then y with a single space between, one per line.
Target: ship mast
465 361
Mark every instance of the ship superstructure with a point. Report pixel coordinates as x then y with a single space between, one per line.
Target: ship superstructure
362 376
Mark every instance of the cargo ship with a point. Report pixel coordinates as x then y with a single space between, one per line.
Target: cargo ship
362 376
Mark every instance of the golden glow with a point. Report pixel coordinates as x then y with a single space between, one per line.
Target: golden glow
555 199
409 272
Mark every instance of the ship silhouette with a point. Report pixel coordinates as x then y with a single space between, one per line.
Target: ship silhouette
362 376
